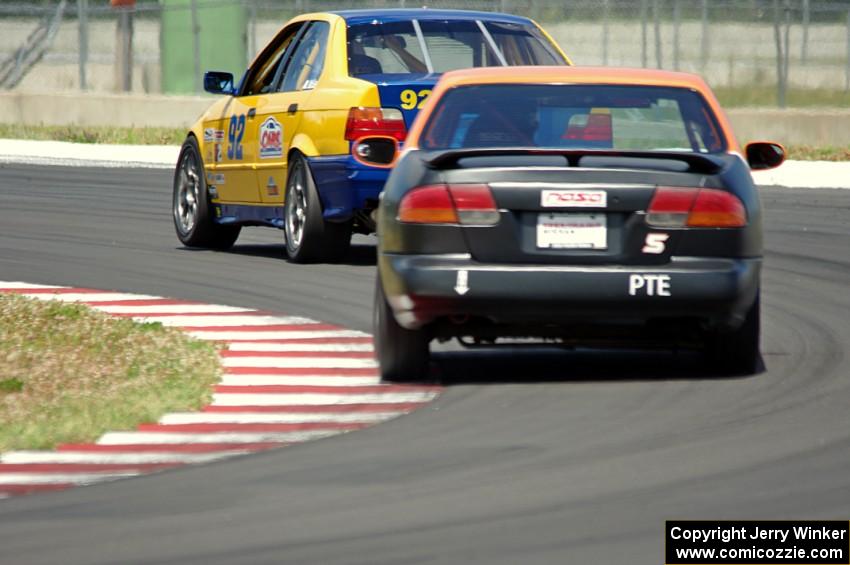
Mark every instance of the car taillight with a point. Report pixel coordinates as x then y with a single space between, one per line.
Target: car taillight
717 209
673 207
364 122
465 204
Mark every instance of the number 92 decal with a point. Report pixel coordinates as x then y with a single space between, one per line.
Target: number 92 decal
411 99
235 132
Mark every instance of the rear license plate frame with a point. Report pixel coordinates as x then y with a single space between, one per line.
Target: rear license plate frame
585 231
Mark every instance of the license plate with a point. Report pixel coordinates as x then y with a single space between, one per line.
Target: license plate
572 231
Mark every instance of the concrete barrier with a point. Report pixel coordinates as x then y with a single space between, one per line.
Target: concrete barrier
819 127
809 126
84 109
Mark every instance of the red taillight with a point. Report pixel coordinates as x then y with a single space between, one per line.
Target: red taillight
474 204
467 204
717 209
364 122
695 207
428 205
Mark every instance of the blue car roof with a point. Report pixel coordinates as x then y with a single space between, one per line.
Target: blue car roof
365 16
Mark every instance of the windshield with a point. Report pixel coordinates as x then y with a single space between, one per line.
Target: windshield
573 117
445 45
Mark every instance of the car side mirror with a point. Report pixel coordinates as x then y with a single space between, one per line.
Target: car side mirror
375 151
763 155
218 82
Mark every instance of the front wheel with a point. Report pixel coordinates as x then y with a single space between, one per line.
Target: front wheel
309 237
738 351
190 205
403 355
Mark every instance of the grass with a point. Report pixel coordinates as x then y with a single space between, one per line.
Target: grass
809 153
69 373
765 96
95 134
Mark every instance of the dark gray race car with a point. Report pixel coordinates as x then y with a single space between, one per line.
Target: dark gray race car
579 206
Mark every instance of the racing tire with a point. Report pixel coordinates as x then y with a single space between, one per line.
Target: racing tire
190 205
403 355
737 351
309 237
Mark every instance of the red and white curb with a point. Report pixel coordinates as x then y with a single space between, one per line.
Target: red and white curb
287 379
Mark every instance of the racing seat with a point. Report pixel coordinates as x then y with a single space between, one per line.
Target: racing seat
364 65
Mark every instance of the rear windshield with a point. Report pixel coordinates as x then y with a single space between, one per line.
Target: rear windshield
444 45
574 117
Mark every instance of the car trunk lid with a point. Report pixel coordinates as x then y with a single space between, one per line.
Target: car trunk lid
572 207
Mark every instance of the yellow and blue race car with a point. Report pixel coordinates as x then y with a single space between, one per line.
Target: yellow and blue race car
276 149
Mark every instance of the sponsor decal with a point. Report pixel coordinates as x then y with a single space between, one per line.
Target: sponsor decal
212 134
574 198
271 187
215 178
271 139
218 153
213 191
649 285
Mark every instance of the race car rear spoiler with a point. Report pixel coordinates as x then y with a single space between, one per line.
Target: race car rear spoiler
696 162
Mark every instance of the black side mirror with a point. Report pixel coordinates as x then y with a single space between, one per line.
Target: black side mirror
218 82
763 155
375 151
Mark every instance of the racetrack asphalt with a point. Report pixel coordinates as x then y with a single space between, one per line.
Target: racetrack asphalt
527 457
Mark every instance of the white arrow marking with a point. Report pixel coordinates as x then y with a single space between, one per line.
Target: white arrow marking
462 284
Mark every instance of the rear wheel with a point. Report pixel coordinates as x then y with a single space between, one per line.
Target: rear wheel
403 355
738 351
191 208
309 237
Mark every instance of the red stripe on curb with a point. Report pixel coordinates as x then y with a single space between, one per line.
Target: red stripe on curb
18 489
342 354
211 428
142 302
83 467
197 314
318 389
300 340
169 447
298 371
319 409
311 327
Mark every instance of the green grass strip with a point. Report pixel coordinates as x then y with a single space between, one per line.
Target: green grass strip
69 373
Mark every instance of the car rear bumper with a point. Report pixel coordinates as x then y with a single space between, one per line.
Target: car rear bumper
346 186
425 288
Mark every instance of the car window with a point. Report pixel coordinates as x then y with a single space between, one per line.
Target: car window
384 48
457 45
394 47
523 44
305 67
261 77
574 117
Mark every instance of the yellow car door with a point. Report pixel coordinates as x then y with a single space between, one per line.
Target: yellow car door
229 162
234 134
279 114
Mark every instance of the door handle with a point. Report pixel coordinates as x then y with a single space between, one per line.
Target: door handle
252 112
292 108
